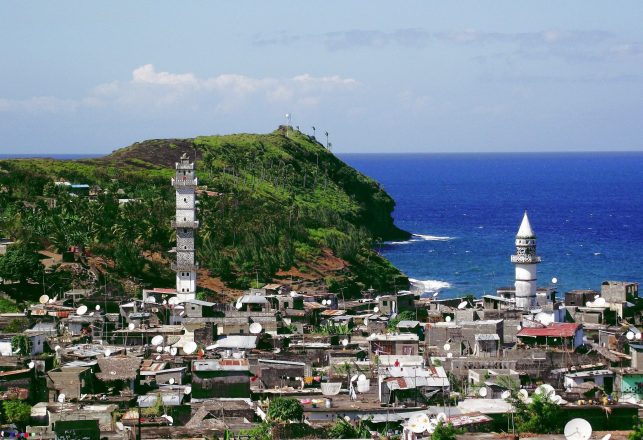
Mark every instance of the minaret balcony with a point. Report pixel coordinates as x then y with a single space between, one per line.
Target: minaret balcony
194 224
184 183
533 259
186 267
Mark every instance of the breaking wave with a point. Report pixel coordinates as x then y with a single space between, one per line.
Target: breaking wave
422 237
429 286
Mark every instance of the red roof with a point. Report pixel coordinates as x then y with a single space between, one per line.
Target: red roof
556 329
162 290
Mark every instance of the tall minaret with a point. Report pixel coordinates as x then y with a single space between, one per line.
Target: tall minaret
186 225
525 261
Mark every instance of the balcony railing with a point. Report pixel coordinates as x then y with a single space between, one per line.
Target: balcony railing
184 266
185 224
184 183
525 259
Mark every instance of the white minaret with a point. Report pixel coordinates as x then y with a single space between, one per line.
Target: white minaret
185 224
525 261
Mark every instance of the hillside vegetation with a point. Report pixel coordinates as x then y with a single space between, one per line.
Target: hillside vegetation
270 206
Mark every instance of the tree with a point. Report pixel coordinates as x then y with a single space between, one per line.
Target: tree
541 416
285 409
21 344
637 432
444 432
20 263
407 315
343 429
16 411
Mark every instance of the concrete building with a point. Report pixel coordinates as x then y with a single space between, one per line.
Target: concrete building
602 378
563 335
525 261
389 304
185 224
220 378
403 344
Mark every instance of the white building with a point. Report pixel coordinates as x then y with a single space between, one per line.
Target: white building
525 261
185 224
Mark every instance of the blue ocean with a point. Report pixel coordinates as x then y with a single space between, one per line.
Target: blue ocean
465 209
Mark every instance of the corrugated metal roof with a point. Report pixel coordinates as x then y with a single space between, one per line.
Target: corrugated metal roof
556 329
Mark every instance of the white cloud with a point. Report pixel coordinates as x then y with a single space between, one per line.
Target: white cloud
160 91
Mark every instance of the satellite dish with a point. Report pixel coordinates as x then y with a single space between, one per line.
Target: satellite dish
107 353
255 328
80 311
120 426
174 351
578 429
158 357
57 347
31 364
447 347
462 305
523 394
506 394
190 347
131 326
366 322
17 350
449 355
173 301
599 302
150 300
157 340
44 299
91 313
376 309
545 389
519 327
354 378
447 319
61 398
554 280
361 377
238 305
171 381
97 307
363 386
482 392
435 294
442 417
159 349
187 390
330 388
164 302
416 425
168 418
344 342
629 335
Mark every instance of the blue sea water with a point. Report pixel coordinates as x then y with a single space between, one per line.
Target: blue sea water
586 210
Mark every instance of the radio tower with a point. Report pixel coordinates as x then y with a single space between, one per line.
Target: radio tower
185 224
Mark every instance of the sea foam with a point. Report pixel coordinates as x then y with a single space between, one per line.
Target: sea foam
429 285
422 237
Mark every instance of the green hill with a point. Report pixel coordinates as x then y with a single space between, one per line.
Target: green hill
270 206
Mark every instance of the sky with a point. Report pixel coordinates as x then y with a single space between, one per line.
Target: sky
379 76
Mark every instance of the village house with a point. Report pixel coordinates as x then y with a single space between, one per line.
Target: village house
70 381
410 385
392 344
562 335
220 378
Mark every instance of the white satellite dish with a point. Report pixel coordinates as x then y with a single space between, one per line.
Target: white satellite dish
506 394
150 300
158 357
435 294
44 299
482 392
344 342
61 398
629 335
462 305
545 389
171 381
157 340
80 311
323 302
168 418
31 365
376 309
174 351
554 280
190 347
599 302
164 302
159 349
447 347
361 377
57 347
442 417
238 306
173 301
523 395
578 429
187 390
449 355
363 386
330 388
97 308
519 327
107 353
255 328
131 326
417 424
366 322
91 313
447 319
